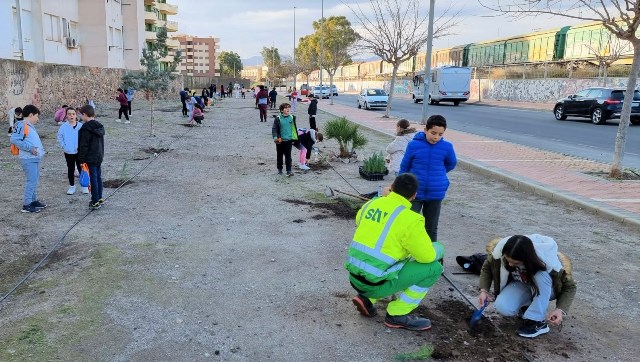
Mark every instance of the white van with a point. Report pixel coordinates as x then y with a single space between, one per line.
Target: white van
448 84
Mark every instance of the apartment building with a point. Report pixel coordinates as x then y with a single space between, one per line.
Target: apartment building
199 56
98 33
255 73
156 14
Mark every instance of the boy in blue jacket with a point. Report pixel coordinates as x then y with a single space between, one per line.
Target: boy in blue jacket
430 157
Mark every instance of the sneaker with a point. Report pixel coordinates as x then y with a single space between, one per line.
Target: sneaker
531 329
101 201
95 205
29 208
38 205
289 174
118 120
279 172
304 167
408 321
72 190
85 190
127 122
364 306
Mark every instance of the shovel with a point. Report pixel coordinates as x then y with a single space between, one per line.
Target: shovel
477 314
329 192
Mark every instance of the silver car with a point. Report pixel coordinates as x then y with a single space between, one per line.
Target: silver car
373 98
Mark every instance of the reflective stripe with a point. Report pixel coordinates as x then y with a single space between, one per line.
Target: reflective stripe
417 289
372 252
387 226
373 270
407 299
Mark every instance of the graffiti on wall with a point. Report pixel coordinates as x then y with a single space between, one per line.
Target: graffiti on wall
17 80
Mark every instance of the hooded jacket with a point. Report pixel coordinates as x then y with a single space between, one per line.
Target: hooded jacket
91 143
313 107
430 163
28 142
558 266
68 137
396 148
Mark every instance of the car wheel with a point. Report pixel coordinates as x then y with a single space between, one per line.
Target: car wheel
456 103
415 100
635 121
359 106
366 106
596 116
559 112
431 101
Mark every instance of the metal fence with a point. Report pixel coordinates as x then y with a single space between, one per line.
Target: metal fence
571 70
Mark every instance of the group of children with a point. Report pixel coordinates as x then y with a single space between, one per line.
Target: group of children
193 106
81 142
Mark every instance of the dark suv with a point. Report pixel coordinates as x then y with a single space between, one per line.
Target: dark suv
598 104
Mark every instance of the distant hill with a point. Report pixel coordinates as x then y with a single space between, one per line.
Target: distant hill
254 60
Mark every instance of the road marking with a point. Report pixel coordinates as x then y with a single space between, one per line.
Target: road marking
631 201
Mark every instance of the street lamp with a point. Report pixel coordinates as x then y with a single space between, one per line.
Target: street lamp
321 42
295 70
427 65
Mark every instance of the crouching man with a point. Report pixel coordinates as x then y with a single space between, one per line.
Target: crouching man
390 253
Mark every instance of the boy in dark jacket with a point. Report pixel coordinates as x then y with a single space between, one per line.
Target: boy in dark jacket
273 95
312 111
91 152
430 157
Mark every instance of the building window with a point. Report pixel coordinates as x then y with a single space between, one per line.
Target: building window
51 27
117 38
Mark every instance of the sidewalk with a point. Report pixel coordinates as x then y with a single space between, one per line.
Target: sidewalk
545 173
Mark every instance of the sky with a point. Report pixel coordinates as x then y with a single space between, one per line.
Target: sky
246 26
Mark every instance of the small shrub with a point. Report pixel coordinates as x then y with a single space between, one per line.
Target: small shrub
346 133
375 163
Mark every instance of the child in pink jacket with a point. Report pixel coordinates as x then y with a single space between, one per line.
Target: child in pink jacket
197 115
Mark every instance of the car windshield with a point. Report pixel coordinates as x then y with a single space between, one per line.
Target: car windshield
618 95
375 92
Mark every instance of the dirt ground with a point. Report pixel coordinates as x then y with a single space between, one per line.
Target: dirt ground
207 254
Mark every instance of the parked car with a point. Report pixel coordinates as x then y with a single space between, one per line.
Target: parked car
304 89
597 103
320 91
334 90
372 98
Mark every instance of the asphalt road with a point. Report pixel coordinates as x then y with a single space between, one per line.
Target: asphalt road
539 129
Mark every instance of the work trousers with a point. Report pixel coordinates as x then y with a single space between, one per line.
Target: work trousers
413 283
72 165
516 295
124 109
431 211
283 149
31 167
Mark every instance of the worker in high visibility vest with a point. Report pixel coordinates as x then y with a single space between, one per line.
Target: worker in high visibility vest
391 252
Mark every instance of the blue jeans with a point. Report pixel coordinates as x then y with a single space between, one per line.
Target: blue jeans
95 178
516 295
31 167
431 211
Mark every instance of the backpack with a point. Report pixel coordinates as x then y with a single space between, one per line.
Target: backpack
14 149
472 263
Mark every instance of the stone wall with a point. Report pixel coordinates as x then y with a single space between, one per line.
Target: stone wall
50 85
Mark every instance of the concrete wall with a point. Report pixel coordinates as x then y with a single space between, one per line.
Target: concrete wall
50 85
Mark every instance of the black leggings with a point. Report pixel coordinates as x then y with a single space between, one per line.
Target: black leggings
124 109
72 165
129 107
283 149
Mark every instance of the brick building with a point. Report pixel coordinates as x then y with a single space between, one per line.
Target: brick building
199 56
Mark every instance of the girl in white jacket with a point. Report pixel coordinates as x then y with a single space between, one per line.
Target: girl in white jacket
68 141
395 149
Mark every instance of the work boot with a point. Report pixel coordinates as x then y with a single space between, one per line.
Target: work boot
364 306
408 321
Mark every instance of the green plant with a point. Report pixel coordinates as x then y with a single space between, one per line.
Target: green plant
375 163
424 353
346 133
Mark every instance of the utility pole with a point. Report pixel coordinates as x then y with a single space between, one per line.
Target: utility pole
273 62
427 65
321 43
295 70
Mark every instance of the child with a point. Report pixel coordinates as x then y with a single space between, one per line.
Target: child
527 272
262 100
26 138
129 92
14 115
430 157
294 100
273 96
124 106
60 114
312 111
284 132
396 148
306 140
68 141
91 152
197 115
190 102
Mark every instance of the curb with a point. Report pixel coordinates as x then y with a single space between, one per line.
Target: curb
622 216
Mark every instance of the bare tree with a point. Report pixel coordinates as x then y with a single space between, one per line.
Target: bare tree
620 17
607 53
397 30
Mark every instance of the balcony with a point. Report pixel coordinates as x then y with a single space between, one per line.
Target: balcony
172 26
167 8
150 35
173 43
150 17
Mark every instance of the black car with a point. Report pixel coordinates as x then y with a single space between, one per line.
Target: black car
598 104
